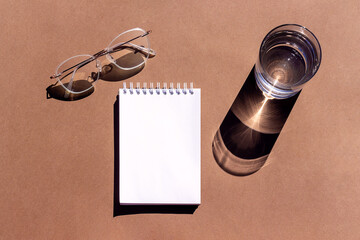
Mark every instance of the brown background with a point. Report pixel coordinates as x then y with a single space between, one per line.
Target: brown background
57 158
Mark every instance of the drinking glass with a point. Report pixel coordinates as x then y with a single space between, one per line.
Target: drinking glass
289 56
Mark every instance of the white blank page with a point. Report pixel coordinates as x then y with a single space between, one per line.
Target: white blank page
159 147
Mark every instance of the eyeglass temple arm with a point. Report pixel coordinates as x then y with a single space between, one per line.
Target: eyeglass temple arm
140 49
83 63
78 66
135 47
114 49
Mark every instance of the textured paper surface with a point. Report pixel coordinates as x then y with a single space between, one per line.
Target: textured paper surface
57 158
159 147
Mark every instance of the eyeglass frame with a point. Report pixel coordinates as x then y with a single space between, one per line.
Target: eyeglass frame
107 51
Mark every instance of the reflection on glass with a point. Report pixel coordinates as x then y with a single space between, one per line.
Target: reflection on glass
289 56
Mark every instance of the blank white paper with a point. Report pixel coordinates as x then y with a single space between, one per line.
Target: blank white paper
160 143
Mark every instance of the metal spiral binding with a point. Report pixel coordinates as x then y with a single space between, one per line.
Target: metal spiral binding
131 88
138 88
171 88
144 88
124 87
151 89
178 88
164 88
185 88
191 90
158 90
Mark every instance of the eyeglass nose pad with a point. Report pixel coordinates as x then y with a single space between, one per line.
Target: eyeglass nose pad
94 76
98 65
106 69
108 56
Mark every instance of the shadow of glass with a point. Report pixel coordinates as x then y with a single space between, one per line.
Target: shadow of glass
110 72
249 131
118 209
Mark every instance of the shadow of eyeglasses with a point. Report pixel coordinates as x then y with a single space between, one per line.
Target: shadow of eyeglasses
110 72
249 131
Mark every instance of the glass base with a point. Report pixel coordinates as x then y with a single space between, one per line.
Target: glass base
271 91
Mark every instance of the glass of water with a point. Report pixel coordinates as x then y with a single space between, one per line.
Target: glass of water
289 56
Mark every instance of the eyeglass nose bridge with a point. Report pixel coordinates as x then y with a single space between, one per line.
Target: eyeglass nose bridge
98 65
99 54
96 75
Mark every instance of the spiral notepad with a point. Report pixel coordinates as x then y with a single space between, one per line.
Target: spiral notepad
159 145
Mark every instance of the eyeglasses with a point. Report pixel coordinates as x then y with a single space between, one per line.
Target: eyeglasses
79 73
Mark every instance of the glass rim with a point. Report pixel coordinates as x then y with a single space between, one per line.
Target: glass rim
295 25
317 43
